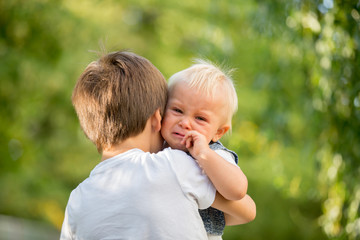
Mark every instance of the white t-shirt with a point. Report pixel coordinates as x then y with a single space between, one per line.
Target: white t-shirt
138 195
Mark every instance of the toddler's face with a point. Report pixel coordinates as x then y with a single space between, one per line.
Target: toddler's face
189 109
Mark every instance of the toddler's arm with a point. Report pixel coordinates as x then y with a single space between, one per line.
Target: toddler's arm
227 178
236 212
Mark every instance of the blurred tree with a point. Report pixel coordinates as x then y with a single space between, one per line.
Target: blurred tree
327 34
35 110
296 131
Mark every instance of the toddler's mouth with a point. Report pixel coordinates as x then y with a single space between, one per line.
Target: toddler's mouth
179 134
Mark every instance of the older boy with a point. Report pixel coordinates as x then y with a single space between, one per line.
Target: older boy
133 193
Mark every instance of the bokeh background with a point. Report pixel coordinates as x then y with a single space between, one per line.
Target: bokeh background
297 130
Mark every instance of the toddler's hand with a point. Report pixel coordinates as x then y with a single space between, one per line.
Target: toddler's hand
196 143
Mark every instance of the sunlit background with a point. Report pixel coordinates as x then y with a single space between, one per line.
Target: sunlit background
297 130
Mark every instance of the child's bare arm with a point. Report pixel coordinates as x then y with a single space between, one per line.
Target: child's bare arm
236 212
227 178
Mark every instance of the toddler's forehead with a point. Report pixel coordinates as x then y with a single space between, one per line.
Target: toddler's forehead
214 96
198 90
214 100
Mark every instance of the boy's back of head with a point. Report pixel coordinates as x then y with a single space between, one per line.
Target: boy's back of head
116 95
208 78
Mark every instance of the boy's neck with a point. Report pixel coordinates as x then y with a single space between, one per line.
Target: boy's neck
124 146
149 140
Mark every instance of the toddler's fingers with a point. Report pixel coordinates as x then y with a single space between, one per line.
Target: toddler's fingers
189 142
190 134
184 140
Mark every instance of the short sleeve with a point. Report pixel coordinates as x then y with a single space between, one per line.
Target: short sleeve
227 156
194 183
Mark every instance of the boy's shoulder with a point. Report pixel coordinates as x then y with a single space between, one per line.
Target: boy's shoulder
173 154
178 159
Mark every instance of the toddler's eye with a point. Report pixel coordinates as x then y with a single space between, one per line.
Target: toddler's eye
177 110
201 118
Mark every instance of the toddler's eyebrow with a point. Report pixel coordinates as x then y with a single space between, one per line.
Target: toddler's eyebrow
205 113
172 100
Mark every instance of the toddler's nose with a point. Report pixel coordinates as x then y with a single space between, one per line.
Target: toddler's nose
185 123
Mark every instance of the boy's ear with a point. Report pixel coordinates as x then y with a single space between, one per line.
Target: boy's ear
220 132
156 121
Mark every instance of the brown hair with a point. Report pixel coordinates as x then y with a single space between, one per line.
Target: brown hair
116 95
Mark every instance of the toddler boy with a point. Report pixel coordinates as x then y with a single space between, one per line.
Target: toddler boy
202 101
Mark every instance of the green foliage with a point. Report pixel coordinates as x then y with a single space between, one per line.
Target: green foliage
327 34
296 131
